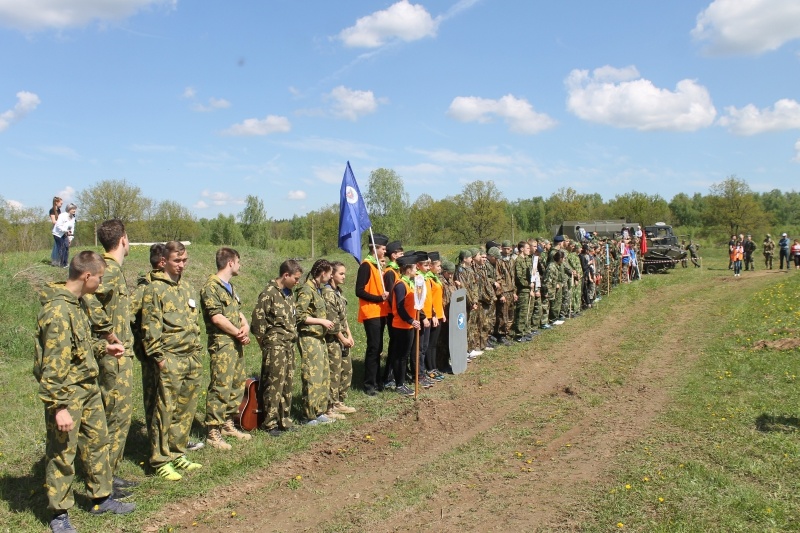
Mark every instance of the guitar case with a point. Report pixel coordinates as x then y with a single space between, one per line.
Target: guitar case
251 410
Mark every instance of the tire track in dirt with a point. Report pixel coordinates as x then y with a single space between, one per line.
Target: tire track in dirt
337 485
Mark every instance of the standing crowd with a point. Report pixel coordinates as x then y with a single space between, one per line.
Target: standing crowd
91 328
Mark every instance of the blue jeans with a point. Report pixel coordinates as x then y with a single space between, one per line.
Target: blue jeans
54 257
63 250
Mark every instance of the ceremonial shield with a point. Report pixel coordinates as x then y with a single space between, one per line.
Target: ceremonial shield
458 331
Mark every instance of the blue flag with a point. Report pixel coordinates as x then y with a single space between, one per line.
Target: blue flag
353 216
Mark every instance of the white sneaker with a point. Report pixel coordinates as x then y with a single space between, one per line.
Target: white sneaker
475 353
558 322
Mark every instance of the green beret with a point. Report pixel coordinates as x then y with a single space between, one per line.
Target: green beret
507 244
463 254
494 252
448 266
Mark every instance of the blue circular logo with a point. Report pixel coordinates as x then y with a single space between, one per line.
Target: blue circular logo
461 321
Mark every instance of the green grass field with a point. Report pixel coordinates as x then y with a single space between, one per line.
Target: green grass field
723 457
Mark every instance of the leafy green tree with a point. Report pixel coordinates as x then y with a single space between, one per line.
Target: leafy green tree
254 222
733 206
640 208
172 221
387 203
22 228
483 212
224 231
565 204
529 217
112 199
325 224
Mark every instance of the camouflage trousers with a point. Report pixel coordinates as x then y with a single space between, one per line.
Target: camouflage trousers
555 300
566 298
543 311
576 297
536 312
149 393
522 314
767 261
474 329
116 389
277 380
89 437
175 406
341 370
315 372
504 319
226 386
488 315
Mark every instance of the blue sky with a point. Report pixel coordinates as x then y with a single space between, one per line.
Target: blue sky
207 102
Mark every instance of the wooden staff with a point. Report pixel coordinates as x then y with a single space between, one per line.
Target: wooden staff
416 370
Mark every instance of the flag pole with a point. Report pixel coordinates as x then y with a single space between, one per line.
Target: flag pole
380 270
416 370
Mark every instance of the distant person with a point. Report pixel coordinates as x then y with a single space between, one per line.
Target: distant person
63 233
66 369
796 253
783 244
769 251
692 248
737 253
749 250
731 246
53 213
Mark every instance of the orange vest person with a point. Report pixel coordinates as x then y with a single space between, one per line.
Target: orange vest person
372 310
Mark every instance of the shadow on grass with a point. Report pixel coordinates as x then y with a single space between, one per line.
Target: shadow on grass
770 423
24 493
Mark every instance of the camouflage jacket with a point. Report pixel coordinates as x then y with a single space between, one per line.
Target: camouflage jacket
575 263
169 318
216 300
522 273
505 275
552 277
310 303
485 284
448 288
109 306
136 314
65 350
336 306
769 247
466 275
273 321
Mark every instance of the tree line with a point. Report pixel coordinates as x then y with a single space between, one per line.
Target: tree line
478 213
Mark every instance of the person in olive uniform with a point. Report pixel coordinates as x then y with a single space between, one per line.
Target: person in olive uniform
228 334
769 251
110 315
172 339
338 340
274 326
65 366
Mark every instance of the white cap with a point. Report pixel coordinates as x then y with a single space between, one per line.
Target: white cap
784 235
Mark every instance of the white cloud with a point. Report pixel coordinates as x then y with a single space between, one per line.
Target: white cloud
420 168
67 194
516 112
189 93
296 195
402 20
256 126
60 14
748 26
152 148
26 102
350 104
15 205
448 157
219 198
213 104
61 151
336 147
200 205
750 120
797 151
621 98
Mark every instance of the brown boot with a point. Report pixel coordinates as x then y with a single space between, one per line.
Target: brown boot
215 440
342 408
229 430
335 414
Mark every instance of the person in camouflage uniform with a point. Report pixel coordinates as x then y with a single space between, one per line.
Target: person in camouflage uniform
65 365
312 326
749 250
506 274
465 278
554 283
575 264
150 370
109 313
539 310
485 274
503 289
769 251
338 340
228 332
172 339
522 283
274 325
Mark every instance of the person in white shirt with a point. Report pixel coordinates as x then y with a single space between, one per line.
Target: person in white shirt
64 232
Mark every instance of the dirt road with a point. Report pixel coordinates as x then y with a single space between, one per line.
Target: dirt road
517 443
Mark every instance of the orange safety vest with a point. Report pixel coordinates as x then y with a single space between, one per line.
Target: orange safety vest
408 303
427 305
367 310
436 291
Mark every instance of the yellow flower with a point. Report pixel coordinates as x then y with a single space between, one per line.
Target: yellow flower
627 487
660 500
298 477
645 478
620 525
233 514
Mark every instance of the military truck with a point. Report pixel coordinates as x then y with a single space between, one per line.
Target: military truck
663 250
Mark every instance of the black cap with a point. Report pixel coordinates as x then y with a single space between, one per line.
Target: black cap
406 260
491 244
380 239
422 257
558 238
433 256
408 253
394 246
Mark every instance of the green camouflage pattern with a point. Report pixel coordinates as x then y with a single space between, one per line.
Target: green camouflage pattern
149 368
110 311
314 365
274 317
341 366
65 366
226 354
169 318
